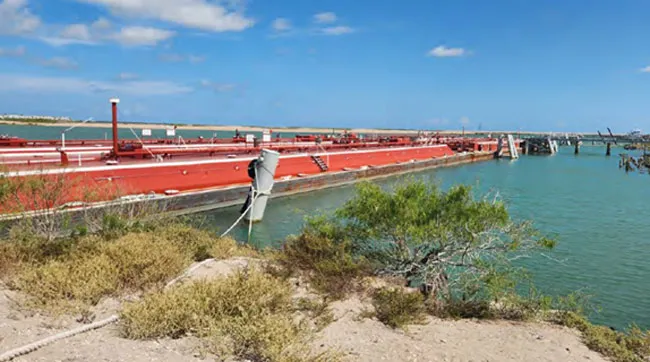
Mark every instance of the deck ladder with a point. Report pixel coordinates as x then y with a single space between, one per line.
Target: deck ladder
552 145
514 153
319 161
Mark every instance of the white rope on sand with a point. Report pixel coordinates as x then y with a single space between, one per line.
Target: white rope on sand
17 352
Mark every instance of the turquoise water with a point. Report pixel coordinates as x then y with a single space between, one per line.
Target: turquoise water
598 213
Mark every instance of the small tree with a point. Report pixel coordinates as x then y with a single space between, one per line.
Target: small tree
447 243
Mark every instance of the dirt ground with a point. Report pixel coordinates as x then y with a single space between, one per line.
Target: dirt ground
355 338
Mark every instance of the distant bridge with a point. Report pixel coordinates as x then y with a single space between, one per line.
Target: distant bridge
599 137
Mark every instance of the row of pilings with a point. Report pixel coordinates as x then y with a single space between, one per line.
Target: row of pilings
548 146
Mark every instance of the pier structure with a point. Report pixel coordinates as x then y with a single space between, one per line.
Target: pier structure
540 146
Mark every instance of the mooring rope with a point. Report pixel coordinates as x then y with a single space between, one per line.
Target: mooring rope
20 351
17 352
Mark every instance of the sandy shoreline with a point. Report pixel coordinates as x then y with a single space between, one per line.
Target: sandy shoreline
355 338
250 128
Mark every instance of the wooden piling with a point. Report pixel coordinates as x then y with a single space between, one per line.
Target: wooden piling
609 149
577 148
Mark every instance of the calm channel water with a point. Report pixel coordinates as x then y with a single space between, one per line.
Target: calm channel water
598 213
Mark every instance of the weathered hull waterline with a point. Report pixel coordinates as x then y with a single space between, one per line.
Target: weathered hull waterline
230 196
198 174
234 195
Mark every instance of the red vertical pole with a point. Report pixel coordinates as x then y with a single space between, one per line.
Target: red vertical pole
114 103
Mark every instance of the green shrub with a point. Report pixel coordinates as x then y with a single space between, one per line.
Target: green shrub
397 307
329 263
460 309
633 346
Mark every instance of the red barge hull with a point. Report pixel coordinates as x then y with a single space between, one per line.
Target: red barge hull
140 177
135 169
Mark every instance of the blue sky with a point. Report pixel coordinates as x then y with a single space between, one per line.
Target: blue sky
577 65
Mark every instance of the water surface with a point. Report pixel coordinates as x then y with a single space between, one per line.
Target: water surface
598 213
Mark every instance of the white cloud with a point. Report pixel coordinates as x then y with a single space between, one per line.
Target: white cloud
464 121
281 24
101 24
199 14
58 62
10 82
337 30
101 30
12 52
646 69
218 87
57 41
16 18
127 76
140 35
74 34
77 32
443 52
325 18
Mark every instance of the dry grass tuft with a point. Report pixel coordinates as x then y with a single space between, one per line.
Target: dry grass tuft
133 262
203 244
633 346
397 307
77 272
247 315
329 264
318 310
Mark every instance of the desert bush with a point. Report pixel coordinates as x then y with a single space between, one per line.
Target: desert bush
133 262
455 248
460 309
82 270
145 260
203 244
397 307
247 315
329 262
25 249
630 346
69 285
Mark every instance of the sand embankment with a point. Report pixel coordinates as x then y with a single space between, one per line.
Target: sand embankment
357 339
